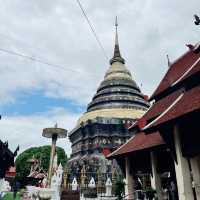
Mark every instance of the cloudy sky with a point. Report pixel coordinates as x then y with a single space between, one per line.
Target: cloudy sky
34 95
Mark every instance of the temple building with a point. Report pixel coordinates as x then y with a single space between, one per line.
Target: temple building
117 103
6 164
165 146
6 158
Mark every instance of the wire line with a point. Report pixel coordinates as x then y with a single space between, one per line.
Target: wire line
35 59
42 62
92 28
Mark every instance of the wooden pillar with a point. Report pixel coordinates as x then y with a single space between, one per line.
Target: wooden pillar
129 181
195 165
182 170
155 178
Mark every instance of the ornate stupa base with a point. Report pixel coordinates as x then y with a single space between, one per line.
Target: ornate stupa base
92 166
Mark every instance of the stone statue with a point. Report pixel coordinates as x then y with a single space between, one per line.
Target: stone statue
56 182
92 183
74 185
5 186
108 187
83 176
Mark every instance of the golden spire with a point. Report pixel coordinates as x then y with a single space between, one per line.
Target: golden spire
117 56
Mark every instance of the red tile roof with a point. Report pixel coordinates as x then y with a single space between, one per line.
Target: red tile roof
138 142
140 123
11 172
176 70
155 110
189 102
37 174
106 151
161 105
173 106
193 71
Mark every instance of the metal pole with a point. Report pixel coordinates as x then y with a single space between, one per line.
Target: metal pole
53 149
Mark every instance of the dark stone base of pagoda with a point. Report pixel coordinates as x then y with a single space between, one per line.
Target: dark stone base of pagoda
92 166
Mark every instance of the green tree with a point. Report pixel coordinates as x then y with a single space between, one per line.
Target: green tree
43 153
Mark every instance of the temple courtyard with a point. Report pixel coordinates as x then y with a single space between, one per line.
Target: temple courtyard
78 123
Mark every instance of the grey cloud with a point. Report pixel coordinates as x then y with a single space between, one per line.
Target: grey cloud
27 130
57 32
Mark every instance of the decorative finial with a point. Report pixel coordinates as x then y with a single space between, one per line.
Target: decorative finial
117 56
116 33
168 61
190 46
116 22
197 20
195 48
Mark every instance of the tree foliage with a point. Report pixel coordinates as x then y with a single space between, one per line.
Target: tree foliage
43 153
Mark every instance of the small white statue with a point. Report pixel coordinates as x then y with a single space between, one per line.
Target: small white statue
44 182
59 174
92 183
56 181
126 186
5 186
74 185
108 187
